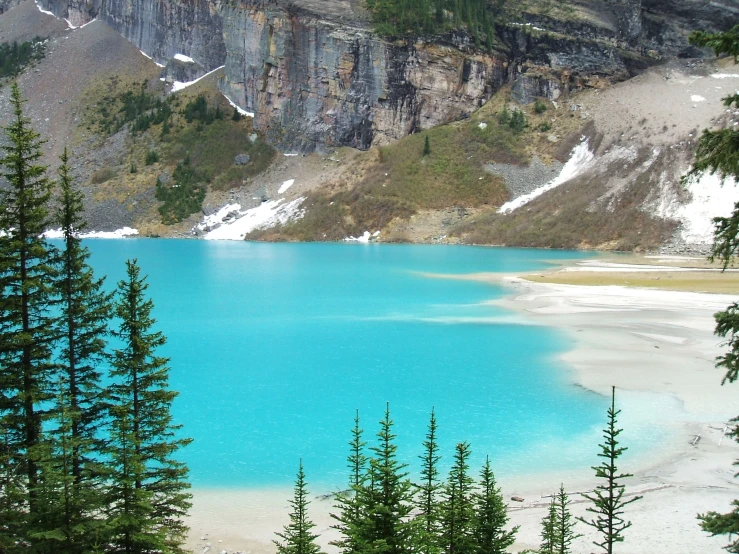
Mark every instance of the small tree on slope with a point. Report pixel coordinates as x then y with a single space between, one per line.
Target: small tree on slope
428 492
491 516
564 523
298 537
608 497
718 152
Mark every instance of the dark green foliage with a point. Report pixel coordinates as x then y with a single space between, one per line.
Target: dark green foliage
564 524
539 106
236 115
137 107
548 530
133 169
491 516
608 497
457 509
412 18
73 470
426 147
348 502
298 535
148 496
184 197
545 126
14 56
198 110
718 151
387 498
515 120
27 272
428 492
151 157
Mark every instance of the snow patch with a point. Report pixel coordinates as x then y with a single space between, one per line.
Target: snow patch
183 58
286 185
365 238
152 59
178 85
42 10
710 197
272 212
697 98
579 161
117 234
239 109
725 75
482 125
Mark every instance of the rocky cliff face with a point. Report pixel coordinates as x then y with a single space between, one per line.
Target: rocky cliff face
313 82
315 75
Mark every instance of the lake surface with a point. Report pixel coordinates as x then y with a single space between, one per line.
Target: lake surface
274 346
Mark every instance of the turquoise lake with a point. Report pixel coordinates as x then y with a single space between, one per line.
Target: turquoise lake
274 346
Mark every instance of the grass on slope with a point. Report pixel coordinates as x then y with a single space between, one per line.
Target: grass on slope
397 180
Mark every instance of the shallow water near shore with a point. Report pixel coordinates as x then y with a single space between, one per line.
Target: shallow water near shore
274 346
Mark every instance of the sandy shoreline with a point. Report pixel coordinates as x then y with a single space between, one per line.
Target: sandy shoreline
645 341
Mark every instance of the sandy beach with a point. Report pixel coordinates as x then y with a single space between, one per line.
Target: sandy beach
643 341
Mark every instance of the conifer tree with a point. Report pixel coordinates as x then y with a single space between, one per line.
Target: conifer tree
426 147
564 523
387 497
148 496
348 502
718 152
428 491
608 497
27 270
297 535
491 516
458 512
548 525
73 480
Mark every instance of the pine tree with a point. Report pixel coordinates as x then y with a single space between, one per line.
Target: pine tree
148 496
428 491
564 523
491 516
298 537
458 510
718 152
548 526
27 270
426 147
348 502
74 462
608 497
387 497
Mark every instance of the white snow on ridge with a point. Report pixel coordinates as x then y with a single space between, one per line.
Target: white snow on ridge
183 58
177 85
710 198
725 75
117 234
286 185
42 10
239 109
365 238
152 59
269 213
580 159
697 98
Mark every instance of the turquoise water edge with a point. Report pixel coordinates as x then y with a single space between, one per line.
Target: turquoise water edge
274 346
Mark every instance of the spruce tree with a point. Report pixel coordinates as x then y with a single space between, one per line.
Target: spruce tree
548 526
608 497
491 516
718 152
387 497
428 491
27 270
564 523
297 535
426 147
74 455
348 503
458 511
148 496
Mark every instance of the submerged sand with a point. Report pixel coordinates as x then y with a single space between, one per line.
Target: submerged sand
644 342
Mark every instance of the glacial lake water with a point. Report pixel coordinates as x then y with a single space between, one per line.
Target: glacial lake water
274 346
